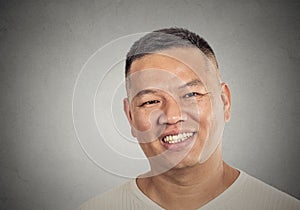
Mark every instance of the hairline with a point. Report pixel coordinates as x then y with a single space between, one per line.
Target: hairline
210 57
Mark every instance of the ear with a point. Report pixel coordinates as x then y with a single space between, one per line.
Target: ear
126 107
226 98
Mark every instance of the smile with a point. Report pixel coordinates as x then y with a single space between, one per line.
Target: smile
173 139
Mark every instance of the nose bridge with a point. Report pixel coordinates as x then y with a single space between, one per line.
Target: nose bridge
172 111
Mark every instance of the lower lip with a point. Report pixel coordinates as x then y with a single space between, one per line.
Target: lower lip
180 145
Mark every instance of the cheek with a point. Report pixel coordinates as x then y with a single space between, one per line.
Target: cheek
145 120
141 121
205 113
201 113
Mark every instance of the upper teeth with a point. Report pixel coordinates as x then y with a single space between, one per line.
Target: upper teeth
171 139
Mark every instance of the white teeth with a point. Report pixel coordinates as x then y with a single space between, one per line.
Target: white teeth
171 139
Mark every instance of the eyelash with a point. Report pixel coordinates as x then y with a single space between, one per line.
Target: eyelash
194 94
150 102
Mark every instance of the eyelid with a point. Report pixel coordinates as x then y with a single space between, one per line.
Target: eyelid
199 94
146 102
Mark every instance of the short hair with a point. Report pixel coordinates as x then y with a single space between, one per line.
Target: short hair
167 38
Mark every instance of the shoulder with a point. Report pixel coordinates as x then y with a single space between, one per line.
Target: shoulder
125 196
259 195
111 199
250 193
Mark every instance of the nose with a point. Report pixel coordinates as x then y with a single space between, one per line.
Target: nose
172 112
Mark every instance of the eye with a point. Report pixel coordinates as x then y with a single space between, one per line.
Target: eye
151 102
193 94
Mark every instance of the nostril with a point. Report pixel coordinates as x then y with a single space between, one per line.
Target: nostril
173 119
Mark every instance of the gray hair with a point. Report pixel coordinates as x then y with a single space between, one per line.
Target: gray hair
165 39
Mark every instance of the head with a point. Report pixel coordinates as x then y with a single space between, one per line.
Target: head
165 39
176 104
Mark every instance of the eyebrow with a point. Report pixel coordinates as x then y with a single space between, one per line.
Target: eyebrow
195 82
144 92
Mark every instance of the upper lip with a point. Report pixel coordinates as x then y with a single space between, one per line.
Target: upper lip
175 132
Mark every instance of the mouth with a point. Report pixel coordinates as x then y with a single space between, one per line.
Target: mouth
177 138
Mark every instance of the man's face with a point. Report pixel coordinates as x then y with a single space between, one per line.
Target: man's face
176 107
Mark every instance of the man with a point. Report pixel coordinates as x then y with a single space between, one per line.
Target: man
177 106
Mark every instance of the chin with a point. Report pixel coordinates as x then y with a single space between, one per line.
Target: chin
188 162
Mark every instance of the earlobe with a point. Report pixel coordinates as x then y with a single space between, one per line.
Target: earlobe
226 98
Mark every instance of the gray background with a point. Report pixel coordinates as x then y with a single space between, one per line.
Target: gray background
43 45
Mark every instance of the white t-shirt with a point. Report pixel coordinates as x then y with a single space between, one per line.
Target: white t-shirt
246 193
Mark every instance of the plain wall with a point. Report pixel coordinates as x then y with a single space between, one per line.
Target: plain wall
44 45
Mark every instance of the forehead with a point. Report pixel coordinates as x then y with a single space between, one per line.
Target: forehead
170 69
182 62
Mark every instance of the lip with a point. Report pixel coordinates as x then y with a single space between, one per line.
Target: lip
175 132
179 145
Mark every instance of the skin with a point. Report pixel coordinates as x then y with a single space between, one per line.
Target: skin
195 172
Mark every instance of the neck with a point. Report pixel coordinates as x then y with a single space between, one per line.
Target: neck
190 187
